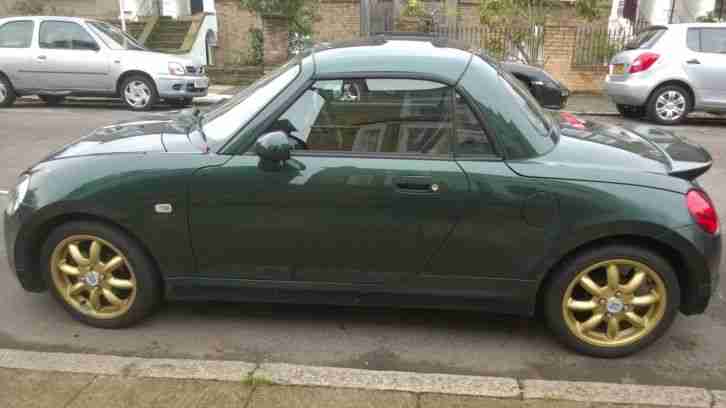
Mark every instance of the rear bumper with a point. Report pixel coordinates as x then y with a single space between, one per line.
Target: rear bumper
701 253
632 91
178 87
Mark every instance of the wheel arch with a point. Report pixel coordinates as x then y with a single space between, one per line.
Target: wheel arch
130 73
670 253
677 82
35 238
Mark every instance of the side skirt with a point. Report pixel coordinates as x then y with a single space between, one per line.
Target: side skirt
326 293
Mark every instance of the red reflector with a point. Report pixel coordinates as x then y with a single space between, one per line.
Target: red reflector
702 210
643 62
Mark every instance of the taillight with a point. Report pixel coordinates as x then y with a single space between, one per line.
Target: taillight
702 210
643 62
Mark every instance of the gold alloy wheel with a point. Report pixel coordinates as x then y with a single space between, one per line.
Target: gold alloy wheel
614 303
93 276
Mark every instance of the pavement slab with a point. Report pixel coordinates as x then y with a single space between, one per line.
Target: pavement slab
128 392
719 399
460 401
616 393
40 389
318 397
389 380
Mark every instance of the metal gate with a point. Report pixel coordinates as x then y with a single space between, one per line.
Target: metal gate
377 16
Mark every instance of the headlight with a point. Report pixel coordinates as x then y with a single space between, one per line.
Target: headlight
176 68
18 194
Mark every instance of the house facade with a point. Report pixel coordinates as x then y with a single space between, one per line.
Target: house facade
661 11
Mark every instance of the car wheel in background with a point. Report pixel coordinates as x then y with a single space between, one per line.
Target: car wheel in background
179 103
139 93
630 111
7 93
52 100
612 301
669 105
100 276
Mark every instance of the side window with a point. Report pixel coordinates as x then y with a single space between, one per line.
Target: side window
16 34
713 40
402 116
693 39
65 36
471 140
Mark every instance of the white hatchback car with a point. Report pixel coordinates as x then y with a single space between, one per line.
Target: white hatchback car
55 57
669 71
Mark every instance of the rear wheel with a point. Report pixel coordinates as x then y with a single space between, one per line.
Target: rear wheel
630 111
669 105
100 275
612 301
52 100
7 93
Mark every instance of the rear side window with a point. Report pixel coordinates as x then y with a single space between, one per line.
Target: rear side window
646 39
16 34
693 39
65 35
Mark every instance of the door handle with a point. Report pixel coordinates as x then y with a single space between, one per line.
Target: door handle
42 57
416 185
693 61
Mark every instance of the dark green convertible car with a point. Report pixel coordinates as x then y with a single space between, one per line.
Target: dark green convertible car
387 171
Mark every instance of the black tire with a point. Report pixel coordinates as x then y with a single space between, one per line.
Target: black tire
630 111
652 105
52 100
148 285
180 103
7 93
564 276
152 96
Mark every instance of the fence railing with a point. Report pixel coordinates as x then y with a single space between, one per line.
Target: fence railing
597 45
504 43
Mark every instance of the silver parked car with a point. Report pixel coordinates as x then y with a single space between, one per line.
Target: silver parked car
669 71
55 57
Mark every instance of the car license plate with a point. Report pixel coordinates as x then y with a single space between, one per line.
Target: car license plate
201 83
618 69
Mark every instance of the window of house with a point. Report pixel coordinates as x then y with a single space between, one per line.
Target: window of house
397 116
16 34
65 35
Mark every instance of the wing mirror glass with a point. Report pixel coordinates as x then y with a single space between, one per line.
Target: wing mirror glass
273 146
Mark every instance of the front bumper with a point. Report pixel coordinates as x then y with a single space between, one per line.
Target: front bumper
633 91
178 87
16 252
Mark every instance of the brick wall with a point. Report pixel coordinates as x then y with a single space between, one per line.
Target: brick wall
235 75
233 37
337 20
559 46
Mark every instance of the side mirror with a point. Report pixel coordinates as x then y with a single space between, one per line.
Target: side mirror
273 146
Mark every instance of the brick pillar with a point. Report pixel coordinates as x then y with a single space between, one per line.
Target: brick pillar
275 32
559 45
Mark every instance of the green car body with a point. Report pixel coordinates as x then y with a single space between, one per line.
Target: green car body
332 228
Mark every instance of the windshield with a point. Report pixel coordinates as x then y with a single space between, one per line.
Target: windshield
227 119
646 39
115 38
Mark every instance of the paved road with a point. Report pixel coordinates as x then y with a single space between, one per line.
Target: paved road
693 353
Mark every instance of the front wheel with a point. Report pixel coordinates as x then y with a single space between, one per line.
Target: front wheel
100 275
612 301
669 105
139 93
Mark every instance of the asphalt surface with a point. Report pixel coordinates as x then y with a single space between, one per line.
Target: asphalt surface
692 353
